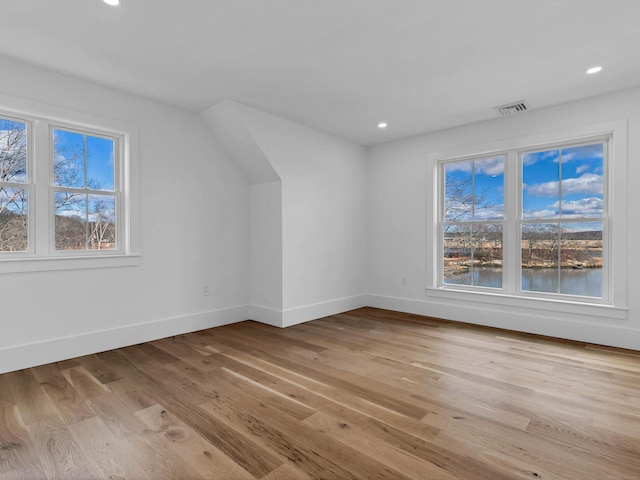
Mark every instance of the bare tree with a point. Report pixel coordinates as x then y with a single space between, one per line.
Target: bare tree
487 239
89 224
459 199
79 224
13 198
542 244
102 226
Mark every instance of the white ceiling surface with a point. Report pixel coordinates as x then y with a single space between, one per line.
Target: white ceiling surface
340 66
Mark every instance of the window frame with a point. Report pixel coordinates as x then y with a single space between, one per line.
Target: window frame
606 140
28 184
614 302
116 193
41 120
473 222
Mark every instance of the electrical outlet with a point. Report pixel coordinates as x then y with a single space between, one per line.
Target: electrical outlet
403 281
205 290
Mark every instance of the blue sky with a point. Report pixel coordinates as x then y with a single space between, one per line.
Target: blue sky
581 171
488 183
577 171
8 130
99 158
70 156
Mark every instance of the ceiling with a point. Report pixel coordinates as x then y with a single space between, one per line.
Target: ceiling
340 66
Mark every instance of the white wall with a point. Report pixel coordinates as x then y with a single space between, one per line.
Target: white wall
397 229
266 251
323 217
194 231
290 242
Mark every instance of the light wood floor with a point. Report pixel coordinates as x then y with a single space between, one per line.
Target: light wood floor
364 395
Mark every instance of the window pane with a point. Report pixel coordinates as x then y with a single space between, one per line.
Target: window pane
581 256
541 185
14 220
489 189
71 221
68 159
487 255
457 254
100 163
458 192
540 244
582 181
13 151
102 222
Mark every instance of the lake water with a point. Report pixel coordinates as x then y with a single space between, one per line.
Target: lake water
584 282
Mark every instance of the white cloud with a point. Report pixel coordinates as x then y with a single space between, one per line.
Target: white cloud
539 214
493 212
458 167
490 166
583 207
486 166
533 158
69 212
547 189
582 168
589 183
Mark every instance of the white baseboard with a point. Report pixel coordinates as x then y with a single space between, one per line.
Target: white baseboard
54 350
601 332
57 349
40 353
266 315
294 316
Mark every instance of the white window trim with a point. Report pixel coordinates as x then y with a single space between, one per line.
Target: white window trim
616 307
45 259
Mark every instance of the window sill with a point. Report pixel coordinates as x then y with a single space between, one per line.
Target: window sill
46 264
546 304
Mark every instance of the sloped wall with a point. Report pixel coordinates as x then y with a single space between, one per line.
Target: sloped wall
322 211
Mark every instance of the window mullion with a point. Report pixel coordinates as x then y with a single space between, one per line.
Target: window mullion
43 194
513 196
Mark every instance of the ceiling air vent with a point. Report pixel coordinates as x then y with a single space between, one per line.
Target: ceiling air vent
512 108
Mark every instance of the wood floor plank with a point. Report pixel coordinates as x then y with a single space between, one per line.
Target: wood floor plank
109 456
99 369
368 393
59 453
31 400
311 452
66 399
287 472
84 382
195 450
116 415
360 385
17 452
134 396
370 417
159 461
243 451
372 446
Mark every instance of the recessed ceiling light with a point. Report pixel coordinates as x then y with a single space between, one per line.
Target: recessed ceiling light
595 69
112 2
382 125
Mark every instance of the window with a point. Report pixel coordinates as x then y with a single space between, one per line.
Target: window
84 192
532 221
473 211
14 187
65 192
562 220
